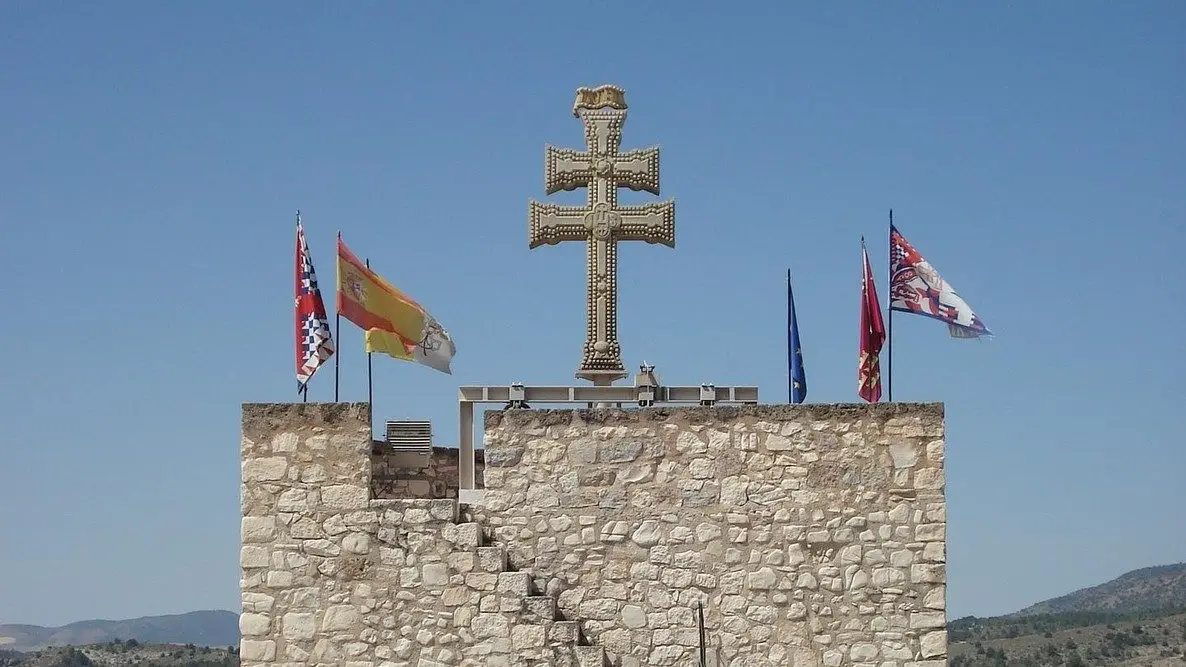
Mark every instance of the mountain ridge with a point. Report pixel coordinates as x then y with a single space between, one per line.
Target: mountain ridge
209 627
1143 589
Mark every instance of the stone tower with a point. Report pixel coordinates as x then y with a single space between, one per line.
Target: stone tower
801 534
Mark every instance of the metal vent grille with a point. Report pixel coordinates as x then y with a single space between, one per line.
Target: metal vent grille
410 436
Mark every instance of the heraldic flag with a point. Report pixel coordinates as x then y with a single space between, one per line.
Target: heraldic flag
915 287
314 346
394 323
872 336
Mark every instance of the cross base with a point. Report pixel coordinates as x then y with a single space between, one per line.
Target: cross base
601 377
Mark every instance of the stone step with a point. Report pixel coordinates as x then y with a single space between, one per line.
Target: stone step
492 559
564 633
539 608
469 536
589 656
518 583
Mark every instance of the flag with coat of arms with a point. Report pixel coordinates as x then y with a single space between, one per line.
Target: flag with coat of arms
916 287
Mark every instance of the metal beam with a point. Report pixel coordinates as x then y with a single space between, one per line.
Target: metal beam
466 462
610 394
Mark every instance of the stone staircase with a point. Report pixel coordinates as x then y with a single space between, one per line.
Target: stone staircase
515 623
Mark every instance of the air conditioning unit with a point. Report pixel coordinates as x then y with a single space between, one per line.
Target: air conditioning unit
412 437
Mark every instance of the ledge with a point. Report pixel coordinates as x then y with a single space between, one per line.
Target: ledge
704 415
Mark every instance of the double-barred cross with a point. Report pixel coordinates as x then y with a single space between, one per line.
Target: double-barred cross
601 223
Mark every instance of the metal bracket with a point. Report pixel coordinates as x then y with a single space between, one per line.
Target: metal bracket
517 397
708 394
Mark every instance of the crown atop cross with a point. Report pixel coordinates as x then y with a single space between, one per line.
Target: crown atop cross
601 223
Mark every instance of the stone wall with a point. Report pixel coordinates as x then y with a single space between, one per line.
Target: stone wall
812 535
402 475
332 577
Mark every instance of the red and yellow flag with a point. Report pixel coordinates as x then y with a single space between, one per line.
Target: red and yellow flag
394 323
369 301
872 337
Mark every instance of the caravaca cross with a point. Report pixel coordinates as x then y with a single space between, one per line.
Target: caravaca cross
601 223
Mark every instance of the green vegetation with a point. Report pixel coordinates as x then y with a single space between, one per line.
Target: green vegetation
971 629
119 653
1071 639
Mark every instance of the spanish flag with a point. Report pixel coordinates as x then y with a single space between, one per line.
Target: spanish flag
394 323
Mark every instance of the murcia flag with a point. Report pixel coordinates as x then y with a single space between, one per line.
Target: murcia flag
872 336
915 287
394 323
314 346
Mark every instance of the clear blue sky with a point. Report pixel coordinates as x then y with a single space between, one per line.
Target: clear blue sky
152 156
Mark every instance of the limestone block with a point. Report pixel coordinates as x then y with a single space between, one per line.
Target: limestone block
904 454
254 624
927 573
490 625
936 598
649 534
930 532
356 543
285 442
256 650
279 579
928 478
299 625
254 556
344 497
934 644
927 619
528 636
778 443
293 500
258 528
266 469
435 574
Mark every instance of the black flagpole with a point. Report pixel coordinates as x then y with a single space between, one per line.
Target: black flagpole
304 389
889 328
337 336
370 384
790 379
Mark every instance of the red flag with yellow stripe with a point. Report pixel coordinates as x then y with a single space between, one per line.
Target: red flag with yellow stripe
394 323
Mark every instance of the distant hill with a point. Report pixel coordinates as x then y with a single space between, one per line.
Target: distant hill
1146 589
201 628
1137 619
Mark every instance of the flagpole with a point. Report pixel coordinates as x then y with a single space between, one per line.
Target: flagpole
370 384
889 327
337 328
790 378
304 391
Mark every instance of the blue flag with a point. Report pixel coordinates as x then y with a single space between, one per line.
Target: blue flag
797 377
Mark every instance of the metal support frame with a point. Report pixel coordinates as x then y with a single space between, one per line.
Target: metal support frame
646 392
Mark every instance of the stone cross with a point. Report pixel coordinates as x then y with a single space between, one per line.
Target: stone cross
601 223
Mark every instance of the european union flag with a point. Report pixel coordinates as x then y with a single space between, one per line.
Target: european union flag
797 377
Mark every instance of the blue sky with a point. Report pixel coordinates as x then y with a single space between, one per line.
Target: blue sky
154 153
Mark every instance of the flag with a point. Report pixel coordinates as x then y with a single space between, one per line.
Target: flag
314 345
798 377
394 323
915 287
872 336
